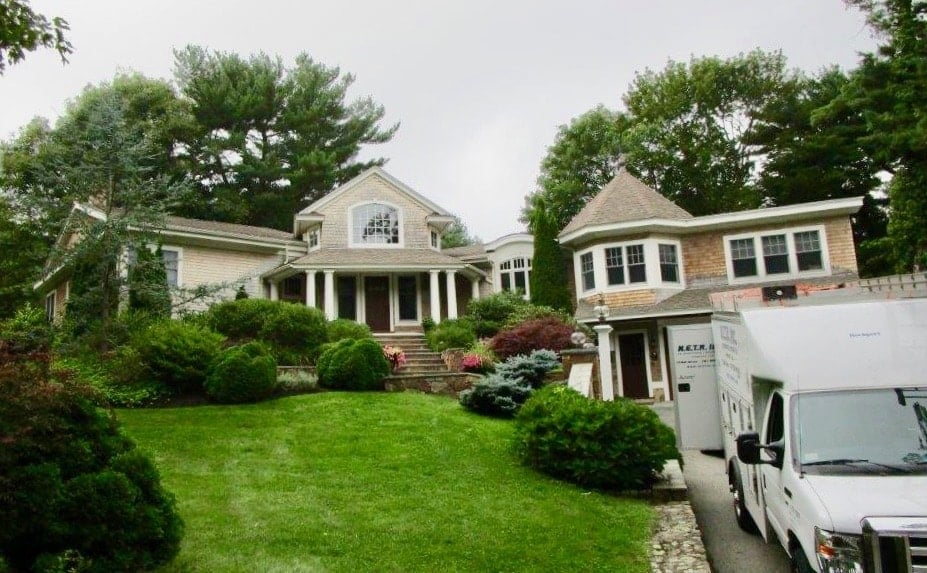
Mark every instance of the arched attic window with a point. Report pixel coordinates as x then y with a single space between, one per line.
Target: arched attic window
375 224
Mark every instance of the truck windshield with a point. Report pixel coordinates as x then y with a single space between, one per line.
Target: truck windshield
870 431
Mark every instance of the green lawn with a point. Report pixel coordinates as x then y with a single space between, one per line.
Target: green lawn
374 482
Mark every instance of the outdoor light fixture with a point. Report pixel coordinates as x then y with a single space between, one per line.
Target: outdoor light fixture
601 309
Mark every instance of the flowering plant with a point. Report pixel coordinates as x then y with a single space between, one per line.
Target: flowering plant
395 355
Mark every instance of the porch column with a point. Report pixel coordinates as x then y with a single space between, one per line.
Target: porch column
435 291
451 294
330 295
605 360
475 288
274 293
310 289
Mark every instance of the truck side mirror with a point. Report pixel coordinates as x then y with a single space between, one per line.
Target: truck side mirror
777 451
748 448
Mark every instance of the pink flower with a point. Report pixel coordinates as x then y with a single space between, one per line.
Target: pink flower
395 356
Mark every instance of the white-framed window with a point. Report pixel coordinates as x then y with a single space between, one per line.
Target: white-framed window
587 271
773 254
669 263
314 238
625 264
515 275
50 301
375 224
435 240
171 259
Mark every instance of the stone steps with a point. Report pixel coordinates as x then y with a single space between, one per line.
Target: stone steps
420 360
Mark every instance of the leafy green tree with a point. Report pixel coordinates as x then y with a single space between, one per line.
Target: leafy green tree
22 30
578 164
269 140
688 126
887 92
148 290
456 235
21 263
548 278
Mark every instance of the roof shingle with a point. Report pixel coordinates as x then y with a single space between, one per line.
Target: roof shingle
625 198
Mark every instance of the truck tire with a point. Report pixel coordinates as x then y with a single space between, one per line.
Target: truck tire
799 561
744 520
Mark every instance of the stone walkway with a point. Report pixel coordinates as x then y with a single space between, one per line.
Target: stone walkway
677 543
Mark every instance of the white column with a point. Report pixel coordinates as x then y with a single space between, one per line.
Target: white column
475 288
310 289
452 294
435 291
605 360
330 295
274 293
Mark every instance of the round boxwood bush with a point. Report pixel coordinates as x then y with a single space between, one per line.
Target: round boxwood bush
615 445
451 334
353 365
294 332
240 319
240 374
342 328
542 333
177 354
495 395
75 494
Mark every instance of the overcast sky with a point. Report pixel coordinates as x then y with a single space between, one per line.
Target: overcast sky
478 86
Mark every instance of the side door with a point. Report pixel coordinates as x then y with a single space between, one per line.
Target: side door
776 496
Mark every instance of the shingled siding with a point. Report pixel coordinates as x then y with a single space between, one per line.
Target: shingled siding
703 254
625 298
203 265
336 228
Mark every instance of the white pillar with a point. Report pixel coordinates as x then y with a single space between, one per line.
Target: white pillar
475 288
330 295
435 291
274 293
452 294
605 360
310 289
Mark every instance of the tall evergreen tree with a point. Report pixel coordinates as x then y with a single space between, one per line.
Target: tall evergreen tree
548 278
271 139
148 290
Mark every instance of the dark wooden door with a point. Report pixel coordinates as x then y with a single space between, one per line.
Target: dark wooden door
376 303
633 365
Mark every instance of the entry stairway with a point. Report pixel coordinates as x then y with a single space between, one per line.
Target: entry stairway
424 369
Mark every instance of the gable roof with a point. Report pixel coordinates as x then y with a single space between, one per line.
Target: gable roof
392 181
625 198
174 223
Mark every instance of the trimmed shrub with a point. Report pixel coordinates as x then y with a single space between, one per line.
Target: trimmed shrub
342 328
489 313
75 494
534 312
495 395
615 445
542 333
294 332
353 365
177 354
246 373
451 334
530 370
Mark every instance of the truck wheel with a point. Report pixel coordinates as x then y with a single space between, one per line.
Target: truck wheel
744 521
799 561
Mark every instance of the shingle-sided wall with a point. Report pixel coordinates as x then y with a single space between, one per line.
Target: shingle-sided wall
840 245
211 266
336 228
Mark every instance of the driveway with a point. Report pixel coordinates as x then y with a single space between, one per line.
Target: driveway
730 550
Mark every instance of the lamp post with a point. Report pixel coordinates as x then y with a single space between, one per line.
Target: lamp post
605 349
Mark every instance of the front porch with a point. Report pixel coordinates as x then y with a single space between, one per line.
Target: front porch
386 301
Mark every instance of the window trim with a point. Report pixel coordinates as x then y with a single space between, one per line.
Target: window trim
315 232
508 269
434 240
52 312
652 274
179 251
399 217
394 285
581 278
761 274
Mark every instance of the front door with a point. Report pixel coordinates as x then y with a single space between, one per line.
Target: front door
376 303
633 357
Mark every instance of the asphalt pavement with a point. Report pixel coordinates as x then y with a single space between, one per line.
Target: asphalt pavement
730 550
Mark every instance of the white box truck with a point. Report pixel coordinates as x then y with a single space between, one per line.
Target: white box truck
824 427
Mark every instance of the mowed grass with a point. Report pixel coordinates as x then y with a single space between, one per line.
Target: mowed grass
374 482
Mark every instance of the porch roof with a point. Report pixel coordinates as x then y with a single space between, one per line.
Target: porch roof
364 260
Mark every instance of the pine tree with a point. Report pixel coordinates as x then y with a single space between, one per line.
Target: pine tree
548 280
